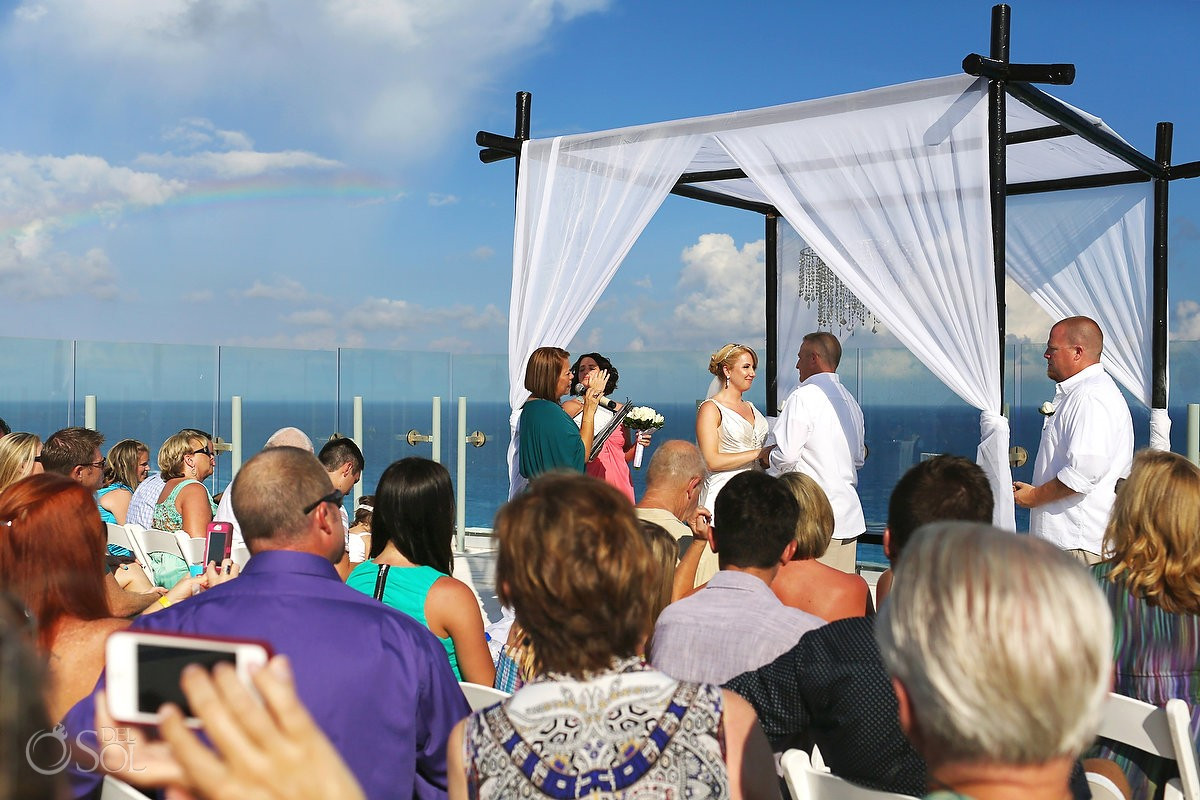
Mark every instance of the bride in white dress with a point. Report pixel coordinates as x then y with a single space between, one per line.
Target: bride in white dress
729 430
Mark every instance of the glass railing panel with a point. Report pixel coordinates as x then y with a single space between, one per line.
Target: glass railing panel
397 390
483 380
36 393
278 388
148 392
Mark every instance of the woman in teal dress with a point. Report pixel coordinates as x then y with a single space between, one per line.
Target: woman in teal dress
548 439
126 465
411 560
1152 583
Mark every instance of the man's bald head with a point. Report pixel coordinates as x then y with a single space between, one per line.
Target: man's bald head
290 437
1083 332
271 491
674 464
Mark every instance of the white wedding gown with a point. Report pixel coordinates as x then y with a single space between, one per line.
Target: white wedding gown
737 435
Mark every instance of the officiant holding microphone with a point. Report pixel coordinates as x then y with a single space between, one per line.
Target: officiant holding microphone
548 439
612 463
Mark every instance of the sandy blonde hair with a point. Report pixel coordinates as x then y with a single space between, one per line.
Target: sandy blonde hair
1002 642
17 451
1154 532
814 529
727 355
666 553
173 451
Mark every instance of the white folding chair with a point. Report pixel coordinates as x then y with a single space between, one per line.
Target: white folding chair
1159 731
806 783
154 541
240 555
116 789
480 696
120 536
193 548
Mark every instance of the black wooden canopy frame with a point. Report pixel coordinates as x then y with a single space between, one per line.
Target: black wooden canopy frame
1004 79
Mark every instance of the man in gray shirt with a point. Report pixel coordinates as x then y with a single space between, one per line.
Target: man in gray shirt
736 623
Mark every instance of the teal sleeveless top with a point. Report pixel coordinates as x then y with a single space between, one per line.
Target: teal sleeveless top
105 514
405 590
167 516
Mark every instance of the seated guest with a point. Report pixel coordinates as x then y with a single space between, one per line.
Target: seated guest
831 688
344 463
1152 583
412 561
999 647
284 437
20 457
26 768
75 453
186 460
735 623
674 480
360 529
375 681
51 558
804 582
575 567
126 465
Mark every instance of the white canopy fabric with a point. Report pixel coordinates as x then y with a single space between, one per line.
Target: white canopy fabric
1087 252
889 186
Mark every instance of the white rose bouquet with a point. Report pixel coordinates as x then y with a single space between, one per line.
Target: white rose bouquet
642 418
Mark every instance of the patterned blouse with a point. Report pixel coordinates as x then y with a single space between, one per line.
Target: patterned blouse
1156 657
627 732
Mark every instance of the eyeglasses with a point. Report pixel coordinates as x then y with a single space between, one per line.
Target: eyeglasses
205 451
336 497
93 464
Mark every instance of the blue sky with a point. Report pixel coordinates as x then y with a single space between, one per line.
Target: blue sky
298 173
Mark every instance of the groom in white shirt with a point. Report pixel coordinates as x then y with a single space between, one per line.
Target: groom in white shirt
820 432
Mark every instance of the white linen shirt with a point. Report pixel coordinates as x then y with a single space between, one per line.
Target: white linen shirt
1087 443
820 432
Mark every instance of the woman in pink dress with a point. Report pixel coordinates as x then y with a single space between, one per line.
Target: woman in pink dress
612 464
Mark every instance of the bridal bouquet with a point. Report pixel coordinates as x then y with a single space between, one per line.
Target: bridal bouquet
642 418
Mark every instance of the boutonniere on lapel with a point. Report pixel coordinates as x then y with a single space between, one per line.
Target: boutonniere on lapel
1046 409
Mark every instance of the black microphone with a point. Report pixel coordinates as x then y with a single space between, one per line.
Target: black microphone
580 389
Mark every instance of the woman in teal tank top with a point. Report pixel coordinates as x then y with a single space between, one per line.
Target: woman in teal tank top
411 561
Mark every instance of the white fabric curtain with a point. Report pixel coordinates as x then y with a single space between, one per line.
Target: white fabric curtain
581 204
893 196
1087 252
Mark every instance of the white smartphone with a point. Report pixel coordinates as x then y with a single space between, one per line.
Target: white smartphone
142 670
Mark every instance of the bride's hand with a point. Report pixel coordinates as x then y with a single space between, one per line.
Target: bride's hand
597 381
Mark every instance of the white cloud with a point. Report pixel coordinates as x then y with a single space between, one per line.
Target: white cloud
43 276
312 318
286 289
482 253
436 199
386 75
1027 320
644 283
197 132
198 296
235 164
1187 321
725 287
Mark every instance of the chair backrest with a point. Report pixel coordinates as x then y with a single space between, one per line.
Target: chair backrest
193 548
806 783
240 555
480 696
1159 731
119 535
116 789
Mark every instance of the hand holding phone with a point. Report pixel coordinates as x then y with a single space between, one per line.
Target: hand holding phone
218 543
142 670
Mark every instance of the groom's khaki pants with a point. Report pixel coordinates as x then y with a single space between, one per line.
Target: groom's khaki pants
842 555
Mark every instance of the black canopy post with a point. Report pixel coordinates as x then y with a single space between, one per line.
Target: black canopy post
1158 335
997 167
772 259
524 104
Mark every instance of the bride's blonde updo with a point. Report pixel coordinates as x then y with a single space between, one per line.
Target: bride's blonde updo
726 356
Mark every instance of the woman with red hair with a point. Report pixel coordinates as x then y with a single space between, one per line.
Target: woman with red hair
52 550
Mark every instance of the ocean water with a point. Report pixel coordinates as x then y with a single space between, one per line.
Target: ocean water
897 437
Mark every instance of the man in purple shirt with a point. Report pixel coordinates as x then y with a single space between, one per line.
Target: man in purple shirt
376 681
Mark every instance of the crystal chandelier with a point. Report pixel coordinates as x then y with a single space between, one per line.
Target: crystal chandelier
836 304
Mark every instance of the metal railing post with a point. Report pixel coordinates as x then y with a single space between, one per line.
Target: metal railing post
89 411
358 436
1193 433
460 501
235 434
